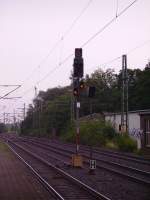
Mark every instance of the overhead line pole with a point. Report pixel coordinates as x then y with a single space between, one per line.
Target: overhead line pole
124 99
126 91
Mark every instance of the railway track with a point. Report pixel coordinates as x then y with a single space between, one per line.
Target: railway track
136 175
59 183
100 151
110 153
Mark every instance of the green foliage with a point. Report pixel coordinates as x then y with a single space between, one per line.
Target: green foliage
125 143
91 133
110 144
51 110
2 128
98 133
109 132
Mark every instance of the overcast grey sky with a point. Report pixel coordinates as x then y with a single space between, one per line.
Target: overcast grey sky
31 28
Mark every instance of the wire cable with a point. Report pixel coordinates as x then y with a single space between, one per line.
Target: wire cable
119 57
17 87
76 19
102 29
108 24
85 43
60 40
137 47
117 4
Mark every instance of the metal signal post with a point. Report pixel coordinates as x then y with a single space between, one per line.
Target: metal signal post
124 100
77 77
77 127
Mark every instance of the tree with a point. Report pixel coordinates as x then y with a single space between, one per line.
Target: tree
2 128
54 111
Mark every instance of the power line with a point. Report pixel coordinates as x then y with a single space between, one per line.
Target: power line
49 73
108 24
110 61
76 19
129 52
55 68
139 46
17 87
91 38
42 61
12 98
117 5
61 39
85 43
102 64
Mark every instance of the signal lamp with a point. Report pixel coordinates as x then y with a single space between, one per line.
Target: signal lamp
81 85
75 92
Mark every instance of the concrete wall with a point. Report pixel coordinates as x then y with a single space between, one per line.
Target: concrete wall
134 125
115 120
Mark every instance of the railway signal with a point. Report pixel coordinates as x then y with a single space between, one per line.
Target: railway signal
78 88
78 63
78 85
81 85
76 92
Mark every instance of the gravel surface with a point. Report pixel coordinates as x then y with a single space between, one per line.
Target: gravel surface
16 181
111 185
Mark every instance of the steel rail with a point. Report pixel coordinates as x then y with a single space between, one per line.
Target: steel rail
141 180
123 156
48 187
108 153
85 187
111 153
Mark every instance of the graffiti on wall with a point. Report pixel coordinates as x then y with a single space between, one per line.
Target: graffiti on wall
136 132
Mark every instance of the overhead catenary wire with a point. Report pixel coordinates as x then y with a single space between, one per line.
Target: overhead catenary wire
17 87
85 43
108 24
102 29
138 46
117 5
68 30
127 53
102 64
55 46
76 19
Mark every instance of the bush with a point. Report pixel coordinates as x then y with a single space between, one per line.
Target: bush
109 132
125 143
99 133
91 133
111 145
